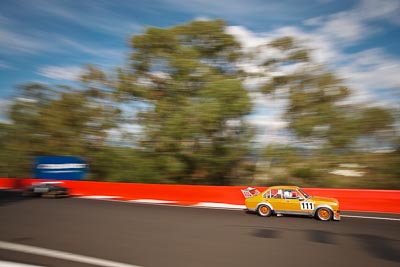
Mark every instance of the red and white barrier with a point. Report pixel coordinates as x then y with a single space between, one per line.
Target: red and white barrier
218 196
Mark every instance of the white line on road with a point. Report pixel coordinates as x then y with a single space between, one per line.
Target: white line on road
151 201
61 255
100 197
368 217
14 264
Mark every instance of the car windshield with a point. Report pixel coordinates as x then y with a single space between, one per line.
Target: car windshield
304 193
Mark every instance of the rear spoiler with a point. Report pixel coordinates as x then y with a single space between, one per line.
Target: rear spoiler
250 192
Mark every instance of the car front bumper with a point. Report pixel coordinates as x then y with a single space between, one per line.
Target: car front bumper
336 215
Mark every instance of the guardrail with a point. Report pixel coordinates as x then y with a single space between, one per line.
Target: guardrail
350 199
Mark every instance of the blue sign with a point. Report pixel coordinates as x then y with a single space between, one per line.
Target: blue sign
60 168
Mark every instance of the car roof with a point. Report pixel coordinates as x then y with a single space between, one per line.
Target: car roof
284 187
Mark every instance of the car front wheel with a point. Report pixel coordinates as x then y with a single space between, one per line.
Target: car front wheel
324 214
264 210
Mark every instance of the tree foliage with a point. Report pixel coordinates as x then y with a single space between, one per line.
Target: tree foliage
317 108
193 103
61 121
194 123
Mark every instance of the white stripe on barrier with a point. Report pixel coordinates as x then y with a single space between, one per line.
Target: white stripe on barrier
151 201
61 255
370 217
219 205
15 264
100 197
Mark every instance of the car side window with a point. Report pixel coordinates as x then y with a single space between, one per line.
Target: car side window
267 194
290 194
273 193
276 193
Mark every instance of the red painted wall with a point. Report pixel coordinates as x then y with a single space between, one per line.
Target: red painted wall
350 199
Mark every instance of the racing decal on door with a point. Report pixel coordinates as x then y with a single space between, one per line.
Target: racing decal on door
307 205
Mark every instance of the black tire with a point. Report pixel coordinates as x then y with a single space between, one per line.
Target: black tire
324 214
50 194
264 210
26 194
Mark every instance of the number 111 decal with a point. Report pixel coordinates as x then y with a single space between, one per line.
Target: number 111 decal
307 205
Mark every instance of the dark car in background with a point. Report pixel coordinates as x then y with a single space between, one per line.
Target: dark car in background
46 189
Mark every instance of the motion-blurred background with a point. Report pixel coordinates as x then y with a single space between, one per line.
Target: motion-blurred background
204 92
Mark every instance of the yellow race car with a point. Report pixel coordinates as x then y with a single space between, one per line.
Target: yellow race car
290 200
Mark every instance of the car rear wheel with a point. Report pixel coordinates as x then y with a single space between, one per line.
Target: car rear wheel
264 210
324 214
50 194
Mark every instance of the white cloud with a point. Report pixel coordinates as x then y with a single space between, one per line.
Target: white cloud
91 49
125 128
18 37
347 27
274 103
132 128
14 40
322 48
202 18
229 7
273 138
325 1
255 44
126 134
18 40
71 73
247 38
4 20
375 67
93 15
4 106
26 100
370 71
11 42
267 118
270 123
35 42
253 83
5 65
271 128
240 11
388 10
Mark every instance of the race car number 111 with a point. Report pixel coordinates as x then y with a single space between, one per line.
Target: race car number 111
307 205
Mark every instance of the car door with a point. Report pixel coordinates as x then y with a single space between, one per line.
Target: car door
293 202
275 198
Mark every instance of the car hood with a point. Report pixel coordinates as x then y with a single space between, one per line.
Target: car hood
325 199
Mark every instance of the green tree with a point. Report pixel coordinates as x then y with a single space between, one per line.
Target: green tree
4 153
187 77
316 99
319 111
55 121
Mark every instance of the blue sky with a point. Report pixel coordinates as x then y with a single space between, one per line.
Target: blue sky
49 40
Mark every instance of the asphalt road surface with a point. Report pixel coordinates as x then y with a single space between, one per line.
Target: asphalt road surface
155 235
